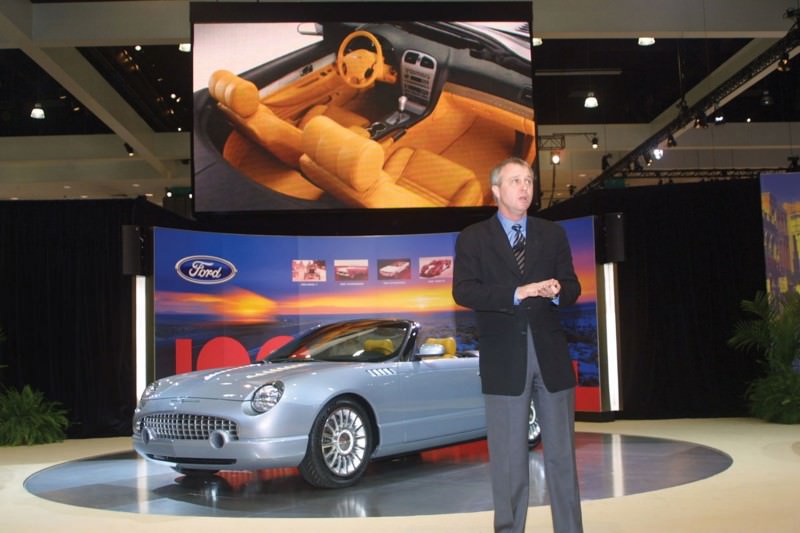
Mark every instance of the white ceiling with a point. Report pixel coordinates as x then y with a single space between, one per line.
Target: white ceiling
71 166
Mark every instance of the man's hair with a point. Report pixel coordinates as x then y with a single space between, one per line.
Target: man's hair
494 176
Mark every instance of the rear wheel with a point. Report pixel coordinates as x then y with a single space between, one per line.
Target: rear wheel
534 430
339 446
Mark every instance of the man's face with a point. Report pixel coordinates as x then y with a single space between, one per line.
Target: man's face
514 192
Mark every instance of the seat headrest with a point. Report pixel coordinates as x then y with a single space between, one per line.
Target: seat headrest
356 160
238 94
384 346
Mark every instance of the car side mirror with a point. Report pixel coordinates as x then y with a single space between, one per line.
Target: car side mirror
430 350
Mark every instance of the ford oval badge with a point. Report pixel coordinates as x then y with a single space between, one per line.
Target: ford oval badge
205 269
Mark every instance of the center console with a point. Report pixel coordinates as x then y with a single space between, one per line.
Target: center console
418 72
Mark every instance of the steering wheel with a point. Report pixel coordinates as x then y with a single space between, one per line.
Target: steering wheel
360 68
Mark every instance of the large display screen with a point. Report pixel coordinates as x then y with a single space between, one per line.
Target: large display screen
357 105
229 299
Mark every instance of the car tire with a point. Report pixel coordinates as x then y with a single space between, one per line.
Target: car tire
339 446
534 430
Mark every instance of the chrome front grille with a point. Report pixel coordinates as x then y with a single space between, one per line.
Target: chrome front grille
180 426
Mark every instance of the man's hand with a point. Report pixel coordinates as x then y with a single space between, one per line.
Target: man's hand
548 288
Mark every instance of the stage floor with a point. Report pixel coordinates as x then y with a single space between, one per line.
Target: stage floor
447 480
711 475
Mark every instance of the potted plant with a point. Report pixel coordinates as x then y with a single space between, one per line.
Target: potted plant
773 331
26 417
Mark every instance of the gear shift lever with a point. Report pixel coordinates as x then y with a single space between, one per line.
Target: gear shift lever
401 102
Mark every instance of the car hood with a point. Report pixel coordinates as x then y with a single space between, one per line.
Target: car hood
235 383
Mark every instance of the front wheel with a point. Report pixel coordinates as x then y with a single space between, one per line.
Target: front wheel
534 430
339 446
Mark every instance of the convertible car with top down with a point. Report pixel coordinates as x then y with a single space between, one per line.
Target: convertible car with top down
327 402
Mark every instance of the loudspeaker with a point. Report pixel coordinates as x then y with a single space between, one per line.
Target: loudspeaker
132 250
610 238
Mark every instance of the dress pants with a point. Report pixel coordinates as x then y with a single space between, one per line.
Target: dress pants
507 431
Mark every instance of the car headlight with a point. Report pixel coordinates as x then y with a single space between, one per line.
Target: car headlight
150 390
267 396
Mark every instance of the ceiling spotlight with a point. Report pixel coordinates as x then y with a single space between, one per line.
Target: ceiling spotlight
766 98
537 41
591 100
700 120
37 112
555 157
719 119
671 142
783 63
595 143
185 47
658 153
647 41
129 149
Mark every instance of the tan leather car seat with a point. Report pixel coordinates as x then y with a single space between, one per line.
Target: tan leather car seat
239 100
351 168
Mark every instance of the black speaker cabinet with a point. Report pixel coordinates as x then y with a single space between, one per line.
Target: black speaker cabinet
610 238
132 250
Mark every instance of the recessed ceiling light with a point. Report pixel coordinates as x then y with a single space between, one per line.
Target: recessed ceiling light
135 185
37 112
647 41
185 47
536 41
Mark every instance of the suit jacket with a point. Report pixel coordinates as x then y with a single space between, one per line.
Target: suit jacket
485 277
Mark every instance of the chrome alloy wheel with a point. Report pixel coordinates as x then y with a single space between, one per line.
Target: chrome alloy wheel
344 441
534 430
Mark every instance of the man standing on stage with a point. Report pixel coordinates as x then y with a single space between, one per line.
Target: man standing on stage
514 271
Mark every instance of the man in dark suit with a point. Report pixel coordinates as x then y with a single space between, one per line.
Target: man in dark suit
514 271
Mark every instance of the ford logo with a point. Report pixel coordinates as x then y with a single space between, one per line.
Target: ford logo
205 269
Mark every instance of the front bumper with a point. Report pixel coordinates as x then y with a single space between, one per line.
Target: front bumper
220 454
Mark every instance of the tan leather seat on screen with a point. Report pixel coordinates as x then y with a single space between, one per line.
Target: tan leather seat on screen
351 168
340 115
239 100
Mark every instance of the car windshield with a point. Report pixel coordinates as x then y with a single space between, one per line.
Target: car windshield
348 342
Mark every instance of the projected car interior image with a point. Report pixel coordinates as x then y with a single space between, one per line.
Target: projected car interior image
374 115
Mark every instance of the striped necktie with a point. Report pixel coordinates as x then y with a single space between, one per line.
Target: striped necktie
519 247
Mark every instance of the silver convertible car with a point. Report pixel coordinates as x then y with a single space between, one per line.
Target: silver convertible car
327 402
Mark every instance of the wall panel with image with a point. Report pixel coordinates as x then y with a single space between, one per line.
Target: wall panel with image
229 299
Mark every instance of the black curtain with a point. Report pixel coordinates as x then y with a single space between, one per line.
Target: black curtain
67 308
693 252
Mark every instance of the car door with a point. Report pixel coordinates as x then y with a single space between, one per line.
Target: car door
442 399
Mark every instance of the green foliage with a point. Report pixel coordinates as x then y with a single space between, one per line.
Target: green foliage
776 398
774 334
27 418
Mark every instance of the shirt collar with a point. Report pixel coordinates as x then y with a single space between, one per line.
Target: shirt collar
506 223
